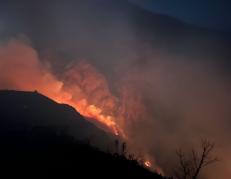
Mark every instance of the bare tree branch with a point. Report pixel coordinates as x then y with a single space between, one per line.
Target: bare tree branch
190 166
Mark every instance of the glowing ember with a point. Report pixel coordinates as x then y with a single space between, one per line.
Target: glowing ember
148 164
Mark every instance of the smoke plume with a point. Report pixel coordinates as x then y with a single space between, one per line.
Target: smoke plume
157 107
158 83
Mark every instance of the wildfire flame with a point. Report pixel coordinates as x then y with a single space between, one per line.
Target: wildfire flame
80 86
148 164
95 113
91 97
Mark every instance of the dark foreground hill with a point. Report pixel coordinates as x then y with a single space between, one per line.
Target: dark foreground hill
34 142
22 110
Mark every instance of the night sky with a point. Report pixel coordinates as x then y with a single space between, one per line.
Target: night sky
205 13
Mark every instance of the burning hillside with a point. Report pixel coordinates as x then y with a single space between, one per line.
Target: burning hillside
155 107
81 86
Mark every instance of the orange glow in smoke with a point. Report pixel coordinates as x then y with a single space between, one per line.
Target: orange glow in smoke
91 97
81 86
95 113
92 112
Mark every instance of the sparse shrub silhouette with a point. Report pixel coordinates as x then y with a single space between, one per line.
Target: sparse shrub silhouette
191 165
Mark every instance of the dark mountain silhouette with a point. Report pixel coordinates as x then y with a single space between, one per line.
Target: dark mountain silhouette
21 110
35 142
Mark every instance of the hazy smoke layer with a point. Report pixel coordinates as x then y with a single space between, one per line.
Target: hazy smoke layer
184 102
21 69
164 83
160 105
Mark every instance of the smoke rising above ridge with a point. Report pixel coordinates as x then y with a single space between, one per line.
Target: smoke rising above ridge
167 83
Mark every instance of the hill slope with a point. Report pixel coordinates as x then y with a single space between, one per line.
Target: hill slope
34 141
29 109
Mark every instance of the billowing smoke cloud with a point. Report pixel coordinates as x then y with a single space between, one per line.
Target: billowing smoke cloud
162 82
82 86
159 106
184 102
21 69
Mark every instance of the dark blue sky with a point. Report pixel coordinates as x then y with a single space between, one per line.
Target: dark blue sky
205 13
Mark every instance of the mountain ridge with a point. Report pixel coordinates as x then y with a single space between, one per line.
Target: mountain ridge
26 104
47 149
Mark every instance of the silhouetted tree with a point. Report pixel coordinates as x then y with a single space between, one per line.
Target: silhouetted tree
124 148
116 146
190 166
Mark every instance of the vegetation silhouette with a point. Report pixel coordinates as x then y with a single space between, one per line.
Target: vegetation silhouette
38 150
191 165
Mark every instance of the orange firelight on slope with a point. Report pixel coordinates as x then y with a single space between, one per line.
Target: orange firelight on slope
93 112
80 85
91 97
151 166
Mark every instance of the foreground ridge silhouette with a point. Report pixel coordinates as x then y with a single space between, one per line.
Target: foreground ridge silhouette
31 148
